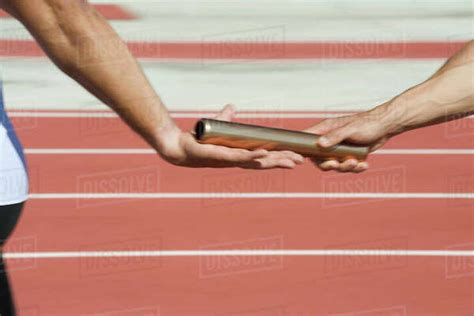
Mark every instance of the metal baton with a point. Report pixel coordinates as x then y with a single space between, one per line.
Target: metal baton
251 137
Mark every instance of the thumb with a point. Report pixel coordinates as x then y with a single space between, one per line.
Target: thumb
335 136
320 128
327 125
226 114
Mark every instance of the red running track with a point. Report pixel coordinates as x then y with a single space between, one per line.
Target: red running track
229 50
296 286
291 286
149 174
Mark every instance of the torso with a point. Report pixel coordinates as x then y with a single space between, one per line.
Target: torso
13 174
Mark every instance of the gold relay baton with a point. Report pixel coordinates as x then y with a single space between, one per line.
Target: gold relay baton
251 137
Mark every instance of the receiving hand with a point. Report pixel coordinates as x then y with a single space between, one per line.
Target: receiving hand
181 148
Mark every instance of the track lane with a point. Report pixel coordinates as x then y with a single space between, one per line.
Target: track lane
127 225
186 286
150 174
94 132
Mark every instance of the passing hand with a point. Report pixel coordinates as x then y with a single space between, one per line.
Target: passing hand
366 128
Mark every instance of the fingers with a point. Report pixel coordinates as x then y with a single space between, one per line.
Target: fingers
350 165
297 158
277 159
327 165
361 166
263 164
226 114
207 155
274 159
230 155
212 155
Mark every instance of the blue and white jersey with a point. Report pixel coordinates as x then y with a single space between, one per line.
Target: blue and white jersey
13 174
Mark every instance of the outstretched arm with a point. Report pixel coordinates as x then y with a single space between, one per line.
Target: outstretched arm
83 45
447 95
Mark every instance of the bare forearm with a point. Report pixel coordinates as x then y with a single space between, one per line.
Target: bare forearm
447 95
85 47
463 56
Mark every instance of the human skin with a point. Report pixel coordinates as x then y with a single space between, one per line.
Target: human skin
445 96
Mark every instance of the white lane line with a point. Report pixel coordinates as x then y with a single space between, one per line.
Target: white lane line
424 152
90 151
146 151
62 114
252 195
206 253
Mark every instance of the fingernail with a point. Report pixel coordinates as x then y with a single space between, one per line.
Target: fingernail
323 141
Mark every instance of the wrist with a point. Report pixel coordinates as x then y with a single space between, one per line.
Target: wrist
410 109
390 117
395 119
165 132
